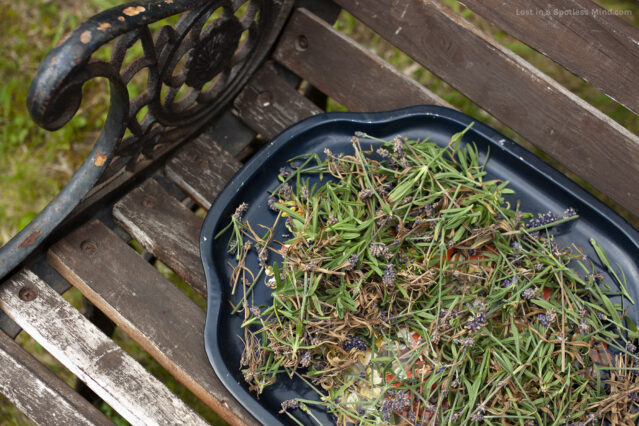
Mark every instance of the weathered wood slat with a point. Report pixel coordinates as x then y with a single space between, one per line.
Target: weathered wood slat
229 133
94 358
202 168
149 308
601 48
564 126
268 104
166 228
39 393
345 71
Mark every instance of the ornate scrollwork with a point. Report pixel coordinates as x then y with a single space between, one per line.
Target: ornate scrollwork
213 54
194 68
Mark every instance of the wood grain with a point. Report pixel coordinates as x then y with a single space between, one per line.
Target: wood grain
150 309
202 168
268 104
582 138
344 70
598 47
166 228
39 393
93 357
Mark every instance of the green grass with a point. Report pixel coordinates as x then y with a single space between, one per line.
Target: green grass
35 165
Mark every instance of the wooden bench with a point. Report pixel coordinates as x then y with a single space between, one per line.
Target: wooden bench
171 167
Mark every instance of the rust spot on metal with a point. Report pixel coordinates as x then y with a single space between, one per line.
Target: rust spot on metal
133 10
104 26
30 239
85 37
100 159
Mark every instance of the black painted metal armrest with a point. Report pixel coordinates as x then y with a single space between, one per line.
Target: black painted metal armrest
195 68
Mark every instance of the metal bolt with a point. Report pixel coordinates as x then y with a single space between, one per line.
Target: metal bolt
301 43
264 99
148 202
27 294
88 246
200 162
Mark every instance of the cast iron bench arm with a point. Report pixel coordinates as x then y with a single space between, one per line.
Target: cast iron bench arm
194 67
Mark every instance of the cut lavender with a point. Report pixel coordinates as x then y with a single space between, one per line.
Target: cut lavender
407 267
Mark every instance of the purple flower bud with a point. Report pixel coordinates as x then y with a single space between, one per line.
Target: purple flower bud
354 342
389 275
529 293
477 321
542 320
289 404
569 212
239 211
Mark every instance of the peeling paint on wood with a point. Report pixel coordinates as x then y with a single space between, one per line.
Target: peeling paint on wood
149 308
39 393
90 355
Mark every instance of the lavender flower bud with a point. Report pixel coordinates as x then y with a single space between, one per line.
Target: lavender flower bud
383 152
389 275
529 293
584 327
289 404
239 212
543 320
271 203
365 194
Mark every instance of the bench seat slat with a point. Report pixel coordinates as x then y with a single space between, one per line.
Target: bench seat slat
39 393
202 168
91 356
166 228
582 138
601 48
268 104
345 71
149 308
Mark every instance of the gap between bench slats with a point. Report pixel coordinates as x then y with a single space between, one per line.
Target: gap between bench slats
149 308
39 393
579 136
166 228
93 357
344 70
601 48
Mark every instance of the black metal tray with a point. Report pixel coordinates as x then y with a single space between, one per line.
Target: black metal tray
538 186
